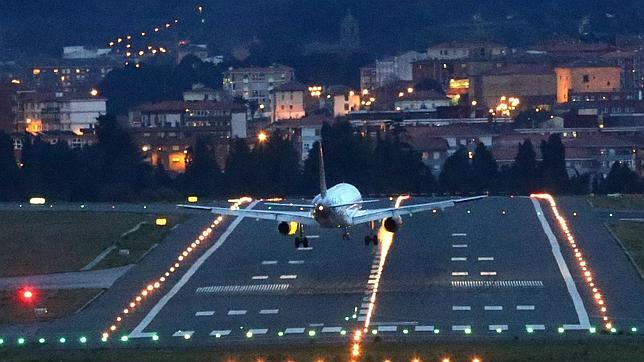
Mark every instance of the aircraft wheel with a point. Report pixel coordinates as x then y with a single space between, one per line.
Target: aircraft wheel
305 242
375 240
367 240
298 241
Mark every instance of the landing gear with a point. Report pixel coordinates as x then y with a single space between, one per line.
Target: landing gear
371 239
301 240
346 235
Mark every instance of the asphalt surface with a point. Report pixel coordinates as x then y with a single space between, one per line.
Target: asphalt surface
470 271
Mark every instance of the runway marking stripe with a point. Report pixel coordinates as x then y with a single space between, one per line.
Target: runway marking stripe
205 313
295 262
237 312
536 327
459 234
394 323
525 307
387 328
459 245
183 333
582 314
294 331
485 258
461 307
316 324
363 311
362 318
488 273
459 259
223 332
269 262
258 331
574 327
461 327
331 329
494 327
238 289
269 311
493 307
138 330
260 277
424 328
366 299
458 274
288 276
497 283
365 305
305 249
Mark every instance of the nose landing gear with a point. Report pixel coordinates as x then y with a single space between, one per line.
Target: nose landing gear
301 240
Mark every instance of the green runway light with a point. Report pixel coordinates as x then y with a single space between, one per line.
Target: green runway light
1 341
437 331
468 331
499 330
613 330
155 337
634 329
346 318
311 333
103 339
21 340
186 336
560 330
592 329
124 339
354 316
83 339
343 332
530 330
280 334
249 334
62 340
41 340
374 331
405 331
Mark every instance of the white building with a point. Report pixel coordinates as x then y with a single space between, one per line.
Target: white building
396 68
255 84
462 50
80 52
77 113
289 101
421 101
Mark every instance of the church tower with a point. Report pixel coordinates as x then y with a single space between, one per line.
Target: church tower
349 33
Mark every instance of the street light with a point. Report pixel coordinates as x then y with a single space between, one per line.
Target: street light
262 137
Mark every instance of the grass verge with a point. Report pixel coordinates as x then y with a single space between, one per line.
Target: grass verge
138 242
624 202
630 349
53 242
631 234
59 303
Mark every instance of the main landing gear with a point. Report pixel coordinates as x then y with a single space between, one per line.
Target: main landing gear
346 235
301 240
371 239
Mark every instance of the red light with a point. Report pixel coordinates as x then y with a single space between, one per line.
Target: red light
28 294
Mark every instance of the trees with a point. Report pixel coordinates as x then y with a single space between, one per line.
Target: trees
524 172
456 172
239 175
620 179
275 167
9 172
484 174
203 175
553 166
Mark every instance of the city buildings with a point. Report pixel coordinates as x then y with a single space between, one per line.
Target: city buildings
586 76
289 101
254 84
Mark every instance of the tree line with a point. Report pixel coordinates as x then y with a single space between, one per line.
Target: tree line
113 169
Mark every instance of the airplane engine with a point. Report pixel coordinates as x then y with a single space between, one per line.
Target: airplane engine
392 225
286 228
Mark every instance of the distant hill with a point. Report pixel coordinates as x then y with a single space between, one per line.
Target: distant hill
387 26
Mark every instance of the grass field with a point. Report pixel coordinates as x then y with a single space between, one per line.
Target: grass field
631 235
627 349
59 303
50 242
624 202
138 243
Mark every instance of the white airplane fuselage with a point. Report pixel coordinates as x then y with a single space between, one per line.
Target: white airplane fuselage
339 216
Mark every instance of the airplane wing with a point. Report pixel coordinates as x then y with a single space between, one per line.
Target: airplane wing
302 217
363 216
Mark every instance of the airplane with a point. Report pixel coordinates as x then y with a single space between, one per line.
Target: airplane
337 207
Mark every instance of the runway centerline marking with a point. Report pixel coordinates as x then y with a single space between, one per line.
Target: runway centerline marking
269 262
582 314
296 262
493 307
457 258
461 307
269 311
459 234
459 245
525 307
138 330
485 258
205 313
260 277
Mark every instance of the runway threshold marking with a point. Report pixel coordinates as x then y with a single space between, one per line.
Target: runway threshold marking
494 327
536 327
424 328
137 332
497 283
219 333
461 327
582 314
493 307
294 331
241 289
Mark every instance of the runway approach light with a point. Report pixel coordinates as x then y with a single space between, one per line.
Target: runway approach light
37 201
161 221
193 199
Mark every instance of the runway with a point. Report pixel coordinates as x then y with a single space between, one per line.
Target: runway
496 268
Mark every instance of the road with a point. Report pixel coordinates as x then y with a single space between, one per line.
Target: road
484 270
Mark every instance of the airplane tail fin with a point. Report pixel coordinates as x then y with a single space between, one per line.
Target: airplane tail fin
322 173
